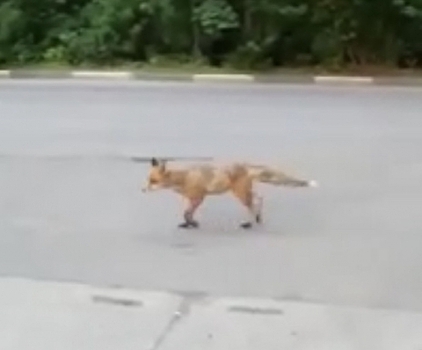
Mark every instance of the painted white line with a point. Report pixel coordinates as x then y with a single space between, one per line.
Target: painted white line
4 73
220 77
343 79
102 74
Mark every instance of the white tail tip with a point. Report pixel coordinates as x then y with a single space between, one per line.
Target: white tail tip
313 183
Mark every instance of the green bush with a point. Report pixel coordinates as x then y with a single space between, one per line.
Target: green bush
240 33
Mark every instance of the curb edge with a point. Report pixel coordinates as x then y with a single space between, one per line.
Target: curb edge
202 77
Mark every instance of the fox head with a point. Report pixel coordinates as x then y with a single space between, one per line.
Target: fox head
156 175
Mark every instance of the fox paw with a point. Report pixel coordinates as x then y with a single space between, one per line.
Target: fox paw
246 225
189 224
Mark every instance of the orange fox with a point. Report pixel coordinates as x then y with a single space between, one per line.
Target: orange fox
196 182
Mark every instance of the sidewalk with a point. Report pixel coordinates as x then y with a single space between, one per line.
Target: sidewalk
51 316
276 78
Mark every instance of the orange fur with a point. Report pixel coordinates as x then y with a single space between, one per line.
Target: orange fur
196 182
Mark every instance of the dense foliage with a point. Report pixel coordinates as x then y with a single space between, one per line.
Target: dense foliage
242 33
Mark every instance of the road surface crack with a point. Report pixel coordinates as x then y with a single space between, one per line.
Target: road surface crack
182 311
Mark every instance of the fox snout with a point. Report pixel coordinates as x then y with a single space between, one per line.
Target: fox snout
151 186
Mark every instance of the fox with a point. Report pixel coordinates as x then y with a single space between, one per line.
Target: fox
195 182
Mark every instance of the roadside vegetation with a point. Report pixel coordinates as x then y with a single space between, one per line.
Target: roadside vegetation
373 35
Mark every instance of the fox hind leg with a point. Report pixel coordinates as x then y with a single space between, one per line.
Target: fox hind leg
258 202
252 201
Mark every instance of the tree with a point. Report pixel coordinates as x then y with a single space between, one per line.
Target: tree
245 33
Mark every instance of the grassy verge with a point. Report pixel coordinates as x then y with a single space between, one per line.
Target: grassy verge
199 68
169 67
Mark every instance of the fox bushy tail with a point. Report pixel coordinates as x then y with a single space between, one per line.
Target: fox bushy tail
276 177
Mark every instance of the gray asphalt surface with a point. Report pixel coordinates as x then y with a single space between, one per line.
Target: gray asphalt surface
71 206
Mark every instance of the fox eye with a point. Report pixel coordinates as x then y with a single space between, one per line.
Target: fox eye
153 181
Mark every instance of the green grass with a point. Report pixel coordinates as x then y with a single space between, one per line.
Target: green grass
161 66
167 66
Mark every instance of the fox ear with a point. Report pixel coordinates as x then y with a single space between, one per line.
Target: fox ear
154 161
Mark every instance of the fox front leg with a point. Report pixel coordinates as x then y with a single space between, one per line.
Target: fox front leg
192 206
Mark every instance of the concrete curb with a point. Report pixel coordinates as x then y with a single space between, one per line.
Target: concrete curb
329 79
52 315
4 73
102 75
224 77
239 78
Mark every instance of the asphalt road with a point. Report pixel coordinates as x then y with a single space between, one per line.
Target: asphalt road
71 206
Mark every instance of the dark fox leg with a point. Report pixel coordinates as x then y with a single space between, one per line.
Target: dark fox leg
257 207
251 201
193 205
254 206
